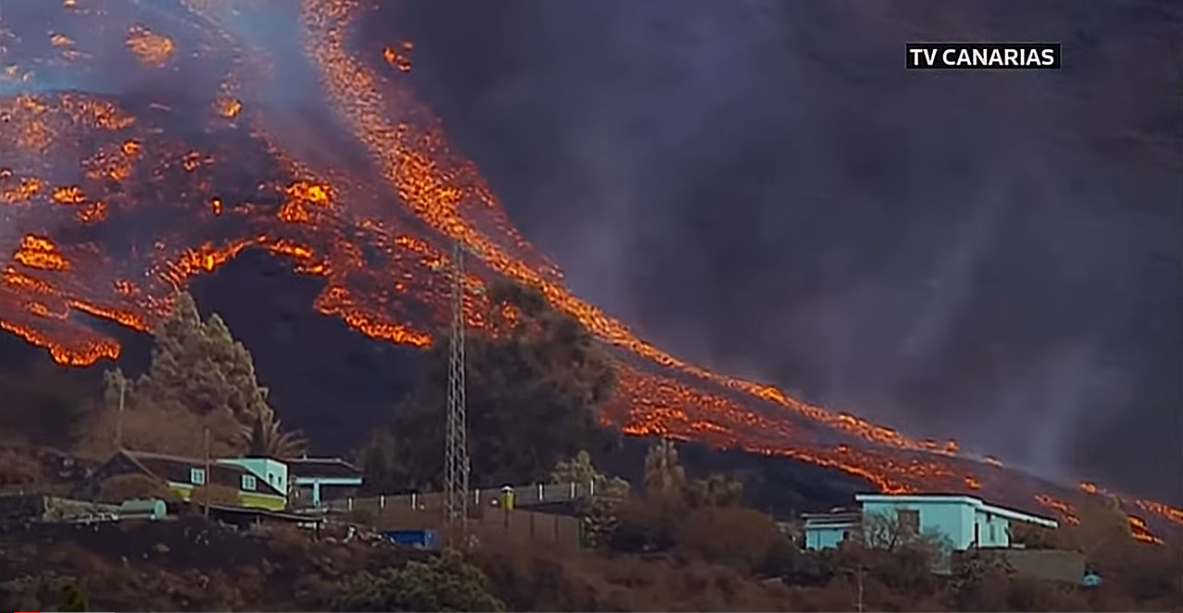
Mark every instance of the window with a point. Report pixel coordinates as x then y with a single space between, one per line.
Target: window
248 483
909 520
993 531
197 476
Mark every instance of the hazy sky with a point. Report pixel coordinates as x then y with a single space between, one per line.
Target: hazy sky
761 187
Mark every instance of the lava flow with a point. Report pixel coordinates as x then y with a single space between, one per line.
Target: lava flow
110 202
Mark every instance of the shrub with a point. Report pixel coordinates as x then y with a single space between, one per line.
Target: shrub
72 598
731 536
445 583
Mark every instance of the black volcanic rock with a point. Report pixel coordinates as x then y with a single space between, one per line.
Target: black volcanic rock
337 384
324 378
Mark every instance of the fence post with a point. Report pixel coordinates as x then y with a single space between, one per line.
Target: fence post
572 490
540 492
591 488
381 504
414 501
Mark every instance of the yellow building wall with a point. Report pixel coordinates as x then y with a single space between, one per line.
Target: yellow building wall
262 501
253 500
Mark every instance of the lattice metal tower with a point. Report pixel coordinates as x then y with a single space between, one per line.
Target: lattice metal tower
456 429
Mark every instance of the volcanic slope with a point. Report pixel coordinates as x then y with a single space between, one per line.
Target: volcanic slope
144 144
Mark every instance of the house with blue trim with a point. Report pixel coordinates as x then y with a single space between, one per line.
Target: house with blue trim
967 522
269 470
316 480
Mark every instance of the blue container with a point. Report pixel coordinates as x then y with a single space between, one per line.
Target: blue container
419 539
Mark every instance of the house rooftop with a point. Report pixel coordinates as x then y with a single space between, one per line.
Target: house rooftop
177 469
843 519
973 501
322 468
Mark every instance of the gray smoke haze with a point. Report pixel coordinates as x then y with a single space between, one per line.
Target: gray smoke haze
761 187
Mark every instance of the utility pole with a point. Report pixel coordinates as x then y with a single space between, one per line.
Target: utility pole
860 585
119 417
456 464
206 481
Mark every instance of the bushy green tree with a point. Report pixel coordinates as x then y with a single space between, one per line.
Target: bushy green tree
444 583
199 365
536 378
599 510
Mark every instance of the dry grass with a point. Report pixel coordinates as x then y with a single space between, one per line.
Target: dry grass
160 429
534 577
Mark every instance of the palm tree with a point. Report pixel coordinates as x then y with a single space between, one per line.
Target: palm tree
268 438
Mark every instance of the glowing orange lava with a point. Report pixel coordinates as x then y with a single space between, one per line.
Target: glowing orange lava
205 184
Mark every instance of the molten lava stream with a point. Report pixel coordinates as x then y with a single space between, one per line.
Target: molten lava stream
440 188
382 273
405 140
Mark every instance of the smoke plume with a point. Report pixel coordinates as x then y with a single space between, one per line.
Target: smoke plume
761 187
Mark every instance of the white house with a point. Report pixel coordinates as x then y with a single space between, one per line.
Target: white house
966 521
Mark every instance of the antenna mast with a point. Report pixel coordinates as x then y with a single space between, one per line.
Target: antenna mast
456 465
